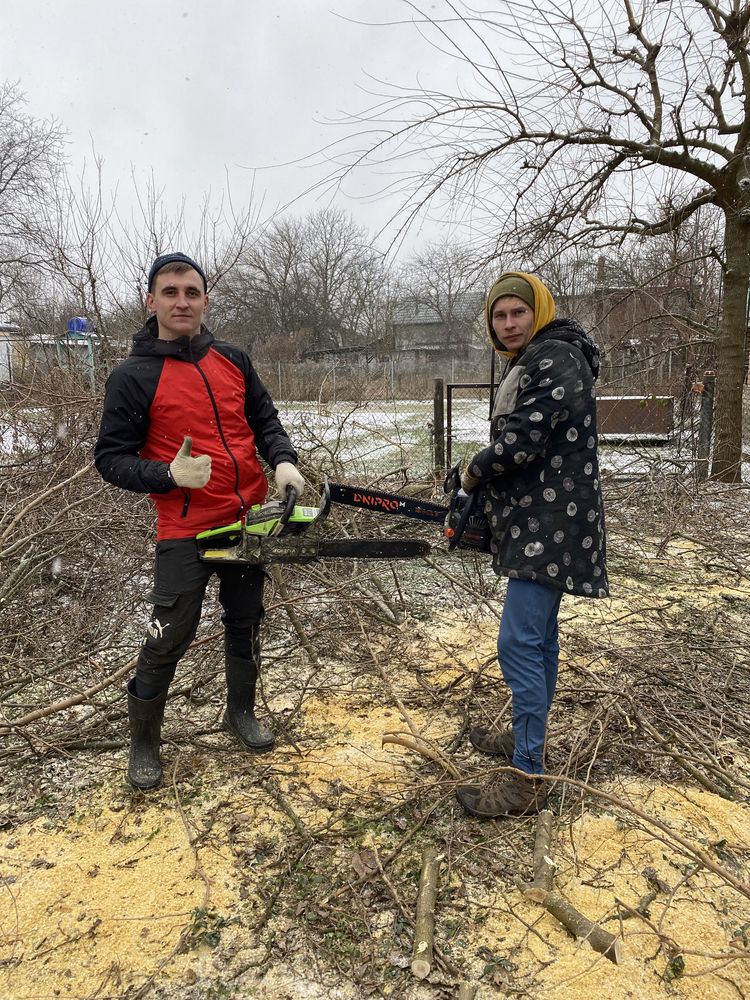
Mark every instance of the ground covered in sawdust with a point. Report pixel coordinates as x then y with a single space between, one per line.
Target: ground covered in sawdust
295 874
97 904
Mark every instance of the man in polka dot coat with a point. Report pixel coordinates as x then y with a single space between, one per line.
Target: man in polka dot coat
540 477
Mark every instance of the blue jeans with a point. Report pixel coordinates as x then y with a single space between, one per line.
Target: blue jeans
527 649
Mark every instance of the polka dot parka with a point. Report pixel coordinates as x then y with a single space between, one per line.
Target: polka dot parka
540 475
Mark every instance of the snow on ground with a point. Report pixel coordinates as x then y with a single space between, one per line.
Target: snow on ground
374 437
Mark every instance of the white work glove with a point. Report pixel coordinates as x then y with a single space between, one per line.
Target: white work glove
287 474
187 471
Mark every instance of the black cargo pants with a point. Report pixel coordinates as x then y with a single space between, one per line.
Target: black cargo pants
180 580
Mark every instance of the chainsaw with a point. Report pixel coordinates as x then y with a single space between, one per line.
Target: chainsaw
463 520
285 532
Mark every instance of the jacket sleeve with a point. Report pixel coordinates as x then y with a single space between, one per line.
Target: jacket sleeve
122 434
546 391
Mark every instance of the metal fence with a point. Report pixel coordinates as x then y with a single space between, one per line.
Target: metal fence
367 419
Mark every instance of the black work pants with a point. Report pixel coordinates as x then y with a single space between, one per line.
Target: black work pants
180 580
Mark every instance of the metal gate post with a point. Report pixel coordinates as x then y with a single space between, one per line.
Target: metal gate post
705 426
438 424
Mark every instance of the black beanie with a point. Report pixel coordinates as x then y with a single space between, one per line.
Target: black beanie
174 258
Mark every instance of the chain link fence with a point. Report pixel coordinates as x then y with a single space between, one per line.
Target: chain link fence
369 420
374 420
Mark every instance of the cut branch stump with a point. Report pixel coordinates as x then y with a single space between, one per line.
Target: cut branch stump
582 928
424 925
541 891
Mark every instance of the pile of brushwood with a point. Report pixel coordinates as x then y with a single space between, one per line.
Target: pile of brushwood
653 689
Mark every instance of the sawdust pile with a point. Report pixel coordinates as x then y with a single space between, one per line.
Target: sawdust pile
259 877
601 860
128 889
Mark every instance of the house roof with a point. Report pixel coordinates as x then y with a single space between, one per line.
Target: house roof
411 312
438 348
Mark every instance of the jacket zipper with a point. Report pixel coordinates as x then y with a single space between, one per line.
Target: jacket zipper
228 450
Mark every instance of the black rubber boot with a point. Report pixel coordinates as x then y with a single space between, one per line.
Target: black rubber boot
239 717
144 767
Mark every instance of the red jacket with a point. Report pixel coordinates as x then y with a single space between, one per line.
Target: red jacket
200 387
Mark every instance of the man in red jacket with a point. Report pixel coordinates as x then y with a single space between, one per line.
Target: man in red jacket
185 418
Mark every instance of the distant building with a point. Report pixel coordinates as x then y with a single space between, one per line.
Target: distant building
424 332
648 333
10 344
23 356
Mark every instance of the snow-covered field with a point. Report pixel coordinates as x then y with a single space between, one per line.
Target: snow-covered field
399 434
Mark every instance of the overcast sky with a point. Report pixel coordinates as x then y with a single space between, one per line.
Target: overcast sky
189 89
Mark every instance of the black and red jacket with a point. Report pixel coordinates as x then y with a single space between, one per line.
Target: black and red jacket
205 388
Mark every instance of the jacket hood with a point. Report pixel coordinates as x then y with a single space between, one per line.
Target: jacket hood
146 343
571 332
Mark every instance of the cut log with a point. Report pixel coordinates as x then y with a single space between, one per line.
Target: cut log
544 866
584 929
541 891
424 926
466 990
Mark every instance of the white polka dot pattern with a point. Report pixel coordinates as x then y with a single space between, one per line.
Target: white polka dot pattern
546 510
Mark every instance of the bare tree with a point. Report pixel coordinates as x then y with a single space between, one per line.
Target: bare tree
592 124
448 280
93 259
264 297
344 275
30 162
653 302
316 279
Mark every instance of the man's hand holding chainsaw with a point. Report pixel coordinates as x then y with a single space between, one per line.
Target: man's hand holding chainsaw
191 473
287 474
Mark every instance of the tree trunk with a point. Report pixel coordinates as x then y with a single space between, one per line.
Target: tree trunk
730 350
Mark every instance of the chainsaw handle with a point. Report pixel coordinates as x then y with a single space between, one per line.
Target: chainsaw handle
291 501
325 502
463 520
452 482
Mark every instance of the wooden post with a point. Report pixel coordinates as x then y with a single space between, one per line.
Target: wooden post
438 423
424 925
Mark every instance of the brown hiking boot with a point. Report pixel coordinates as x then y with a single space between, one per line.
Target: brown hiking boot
508 796
496 742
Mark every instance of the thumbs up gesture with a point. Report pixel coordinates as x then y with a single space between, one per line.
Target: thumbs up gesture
187 471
